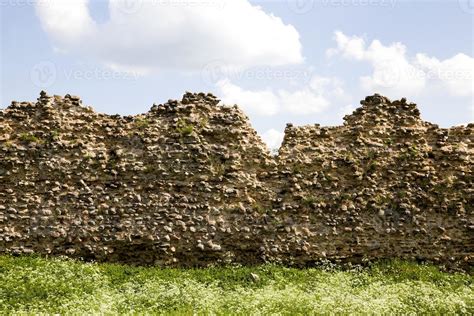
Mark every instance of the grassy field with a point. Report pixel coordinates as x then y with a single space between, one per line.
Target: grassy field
34 285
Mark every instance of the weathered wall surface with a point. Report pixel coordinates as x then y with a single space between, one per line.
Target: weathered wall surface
385 184
191 183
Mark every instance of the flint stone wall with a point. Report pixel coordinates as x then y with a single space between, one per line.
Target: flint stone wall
190 183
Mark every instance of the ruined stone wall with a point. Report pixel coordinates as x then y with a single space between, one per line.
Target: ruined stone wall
191 183
384 184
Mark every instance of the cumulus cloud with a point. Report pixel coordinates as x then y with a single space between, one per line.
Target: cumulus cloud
347 109
302 102
394 72
148 35
312 98
455 73
259 102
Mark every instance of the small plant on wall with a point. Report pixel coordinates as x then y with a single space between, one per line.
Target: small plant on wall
29 138
184 128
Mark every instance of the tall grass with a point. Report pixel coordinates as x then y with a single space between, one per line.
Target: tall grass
35 285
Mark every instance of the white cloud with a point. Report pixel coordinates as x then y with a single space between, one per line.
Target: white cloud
273 138
67 21
347 109
472 110
330 86
456 73
302 102
313 98
349 47
260 102
149 35
393 72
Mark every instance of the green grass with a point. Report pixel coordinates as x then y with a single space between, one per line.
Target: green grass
29 138
142 123
184 128
33 285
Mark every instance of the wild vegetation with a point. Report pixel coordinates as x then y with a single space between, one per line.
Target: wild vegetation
36 285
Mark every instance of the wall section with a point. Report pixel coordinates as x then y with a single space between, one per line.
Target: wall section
190 183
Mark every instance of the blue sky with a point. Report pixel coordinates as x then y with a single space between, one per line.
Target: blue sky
300 61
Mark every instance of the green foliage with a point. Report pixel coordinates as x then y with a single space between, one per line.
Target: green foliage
218 167
309 201
349 158
150 168
203 122
371 155
142 123
8 144
389 142
411 153
259 208
184 128
29 138
54 135
299 168
62 286
371 164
